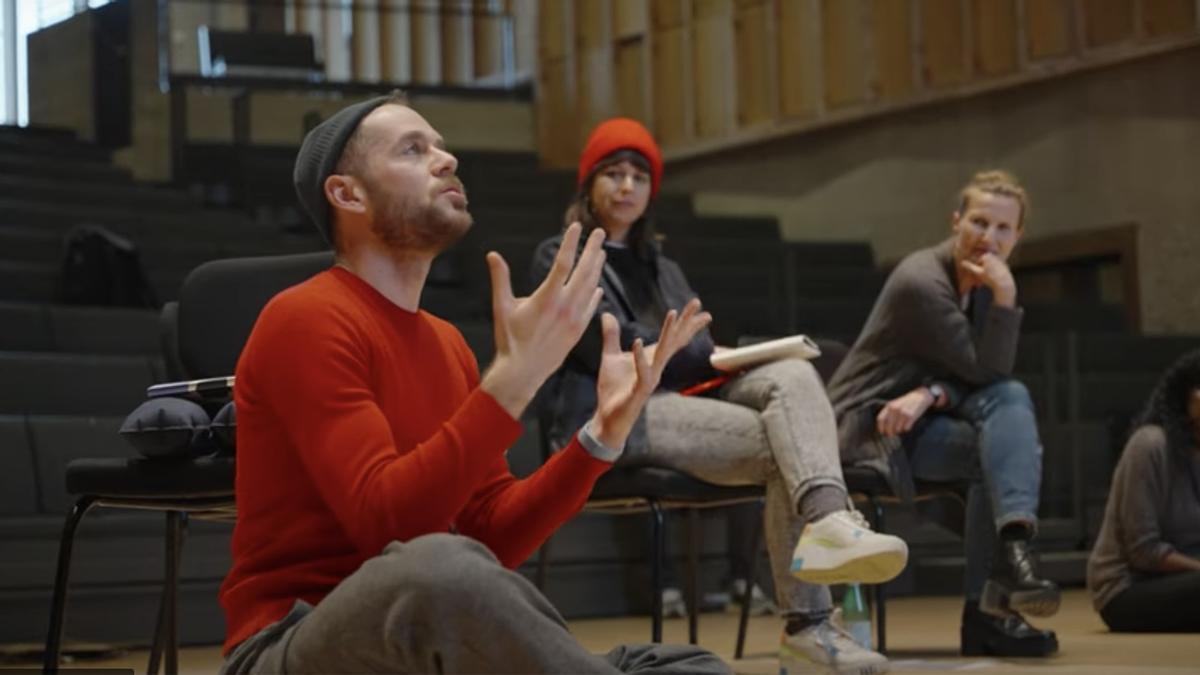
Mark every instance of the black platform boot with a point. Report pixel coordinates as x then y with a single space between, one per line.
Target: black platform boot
1014 586
984 634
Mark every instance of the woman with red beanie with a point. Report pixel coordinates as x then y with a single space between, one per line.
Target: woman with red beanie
771 425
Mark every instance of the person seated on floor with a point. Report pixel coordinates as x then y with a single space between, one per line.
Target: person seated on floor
1144 571
378 523
771 425
927 392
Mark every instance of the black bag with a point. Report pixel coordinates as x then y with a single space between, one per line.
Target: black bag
100 267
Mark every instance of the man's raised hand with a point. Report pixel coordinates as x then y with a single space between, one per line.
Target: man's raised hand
535 333
627 379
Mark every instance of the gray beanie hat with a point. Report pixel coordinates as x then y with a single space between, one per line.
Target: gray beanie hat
319 157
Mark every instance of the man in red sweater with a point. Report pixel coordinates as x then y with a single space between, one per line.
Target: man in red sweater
378 522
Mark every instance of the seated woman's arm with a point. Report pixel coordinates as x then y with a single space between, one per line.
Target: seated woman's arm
1139 486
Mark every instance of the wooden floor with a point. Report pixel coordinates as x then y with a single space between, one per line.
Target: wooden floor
922 634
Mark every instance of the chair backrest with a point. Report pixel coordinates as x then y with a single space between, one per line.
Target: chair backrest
221 300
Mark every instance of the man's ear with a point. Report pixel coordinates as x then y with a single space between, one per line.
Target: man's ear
954 221
345 193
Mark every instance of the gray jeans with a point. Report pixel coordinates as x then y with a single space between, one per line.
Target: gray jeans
442 603
771 426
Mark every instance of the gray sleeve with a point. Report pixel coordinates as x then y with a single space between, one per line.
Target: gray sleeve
597 449
933 328
1138 486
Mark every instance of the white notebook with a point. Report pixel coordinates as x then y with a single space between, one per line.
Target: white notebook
794 347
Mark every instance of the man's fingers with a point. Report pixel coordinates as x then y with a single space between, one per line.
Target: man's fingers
502 294
586 274
642 365
594 303
610 332
668 342
565 259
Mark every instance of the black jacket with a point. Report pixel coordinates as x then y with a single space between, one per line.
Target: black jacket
569 397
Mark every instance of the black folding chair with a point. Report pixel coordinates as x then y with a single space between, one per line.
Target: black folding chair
217 308
654 490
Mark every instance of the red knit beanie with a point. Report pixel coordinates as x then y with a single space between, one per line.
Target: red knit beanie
621 133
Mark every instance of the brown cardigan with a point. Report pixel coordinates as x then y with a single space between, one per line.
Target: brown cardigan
918 333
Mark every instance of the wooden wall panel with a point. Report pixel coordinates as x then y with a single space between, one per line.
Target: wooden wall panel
1168 17
842 43
553 36
524 24
669 96
592 23
665 14
1107 21
365 47
799 57
752 34
631 71
1049 28
891 29
458 42
488 38
713 79
994 36
629 18
557 130
395 45
708 9
942 45
337 46
597 89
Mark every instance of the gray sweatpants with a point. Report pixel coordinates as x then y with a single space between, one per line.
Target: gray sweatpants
773 426
442 603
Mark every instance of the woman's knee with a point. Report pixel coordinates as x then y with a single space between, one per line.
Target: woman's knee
1009 391
789 373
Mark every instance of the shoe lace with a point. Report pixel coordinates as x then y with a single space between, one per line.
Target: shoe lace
832 633
855 516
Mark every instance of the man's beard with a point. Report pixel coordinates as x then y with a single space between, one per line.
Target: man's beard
405 225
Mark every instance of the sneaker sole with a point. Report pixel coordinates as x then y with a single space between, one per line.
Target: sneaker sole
875 568
804 664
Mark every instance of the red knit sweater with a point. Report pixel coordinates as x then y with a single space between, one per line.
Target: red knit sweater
360 423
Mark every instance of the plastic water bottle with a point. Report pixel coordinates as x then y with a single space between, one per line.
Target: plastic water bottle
856 615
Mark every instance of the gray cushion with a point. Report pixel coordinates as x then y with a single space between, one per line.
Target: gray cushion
164 427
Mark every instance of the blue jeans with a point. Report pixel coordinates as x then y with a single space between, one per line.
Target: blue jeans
990 441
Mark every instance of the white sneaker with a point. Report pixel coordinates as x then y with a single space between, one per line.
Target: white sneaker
826 647
673 605
760 604
841 548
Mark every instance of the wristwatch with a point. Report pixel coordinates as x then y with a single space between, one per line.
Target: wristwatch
937 391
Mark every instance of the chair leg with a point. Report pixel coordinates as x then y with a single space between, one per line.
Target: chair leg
168 627
693 575
751 574
656 573
62 576
880 589
160 628
164 631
